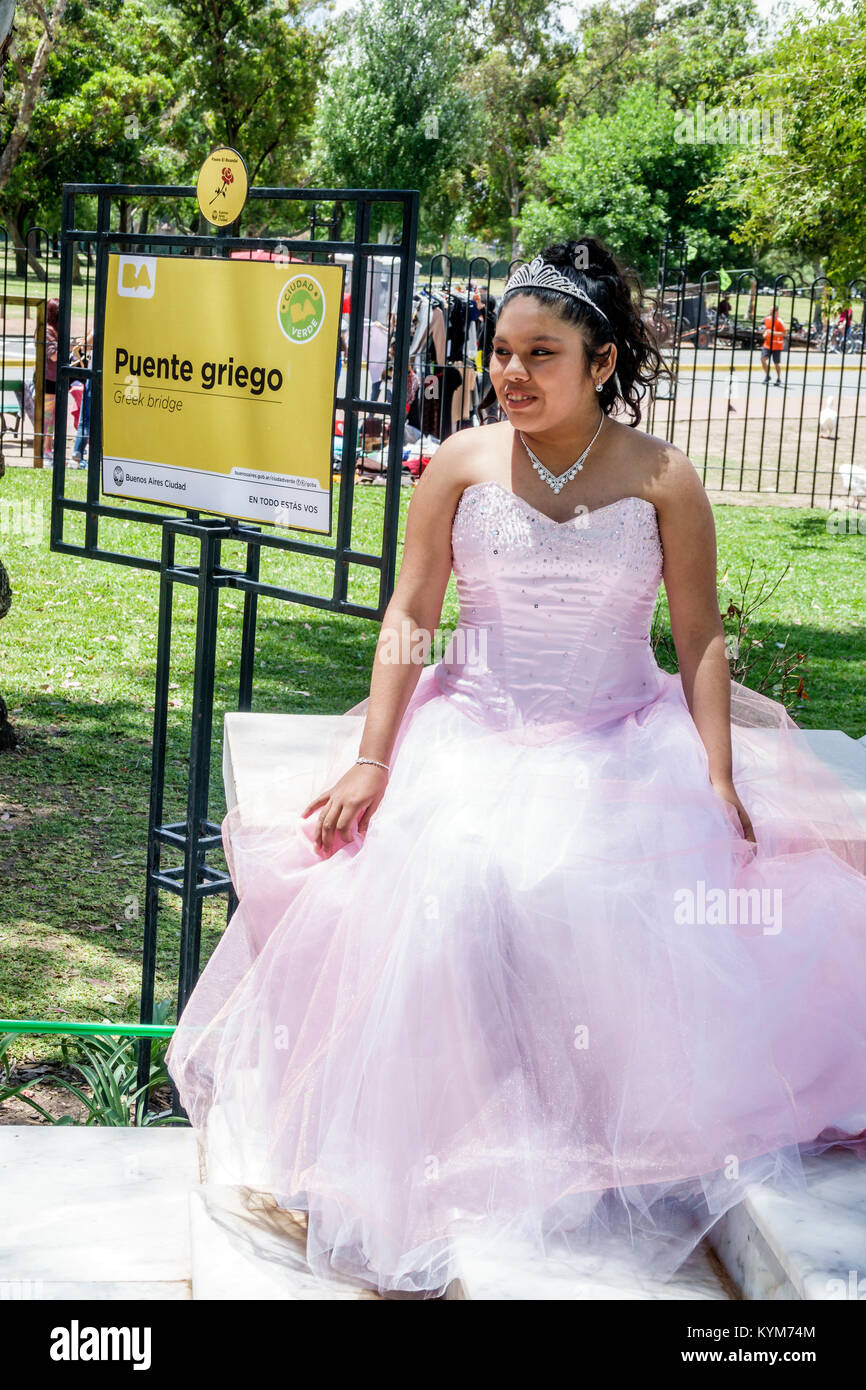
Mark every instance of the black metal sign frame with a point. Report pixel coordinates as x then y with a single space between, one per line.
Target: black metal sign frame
196 836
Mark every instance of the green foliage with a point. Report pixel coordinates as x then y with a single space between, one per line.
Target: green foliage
624 178
777 668
108 78
809 198
507 123
518 58
393 113
109 1071
248 78
697 48
689 48
138 91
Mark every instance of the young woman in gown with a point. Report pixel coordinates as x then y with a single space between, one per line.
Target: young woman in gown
555 948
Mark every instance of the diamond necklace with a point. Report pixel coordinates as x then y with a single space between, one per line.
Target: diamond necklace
554 480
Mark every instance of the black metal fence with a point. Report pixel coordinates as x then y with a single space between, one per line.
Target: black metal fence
453 322
30 277
767 392
801 438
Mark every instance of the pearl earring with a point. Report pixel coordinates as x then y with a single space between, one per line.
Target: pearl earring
599 386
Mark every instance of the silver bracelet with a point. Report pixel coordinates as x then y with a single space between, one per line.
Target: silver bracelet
374 761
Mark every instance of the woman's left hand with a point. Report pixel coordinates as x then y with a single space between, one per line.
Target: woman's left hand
728 792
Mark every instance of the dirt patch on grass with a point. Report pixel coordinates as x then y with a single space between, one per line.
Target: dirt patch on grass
56 1100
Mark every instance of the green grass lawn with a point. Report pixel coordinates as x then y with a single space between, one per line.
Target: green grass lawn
77 668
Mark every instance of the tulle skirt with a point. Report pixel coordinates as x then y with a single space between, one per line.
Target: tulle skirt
552 997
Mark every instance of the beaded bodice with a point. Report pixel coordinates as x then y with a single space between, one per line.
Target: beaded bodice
555 617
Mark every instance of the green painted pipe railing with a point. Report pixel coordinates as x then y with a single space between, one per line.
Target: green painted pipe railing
123 1030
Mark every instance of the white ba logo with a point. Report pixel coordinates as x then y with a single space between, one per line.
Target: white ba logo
136 277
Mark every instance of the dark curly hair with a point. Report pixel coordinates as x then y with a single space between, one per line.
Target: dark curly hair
618 293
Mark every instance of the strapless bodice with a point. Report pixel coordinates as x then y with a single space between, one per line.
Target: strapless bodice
555 617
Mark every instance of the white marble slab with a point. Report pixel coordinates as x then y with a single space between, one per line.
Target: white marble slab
95 1206
272 763
245 1247
810 1246
503 1274
749 1261
20 1291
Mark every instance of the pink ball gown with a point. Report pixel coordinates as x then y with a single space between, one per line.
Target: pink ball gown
553 994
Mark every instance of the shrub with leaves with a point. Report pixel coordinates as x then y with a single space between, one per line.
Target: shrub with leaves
771 664
109 1090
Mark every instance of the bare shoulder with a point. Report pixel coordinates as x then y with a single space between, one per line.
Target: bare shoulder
668 478
465 457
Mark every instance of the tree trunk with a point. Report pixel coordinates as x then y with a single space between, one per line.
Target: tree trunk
24 255
515 235
31 85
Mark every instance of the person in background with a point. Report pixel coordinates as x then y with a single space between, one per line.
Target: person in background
383 386
488 407
52 324
844 328
81 357
774 341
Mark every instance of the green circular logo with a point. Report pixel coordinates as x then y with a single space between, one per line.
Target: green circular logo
301 308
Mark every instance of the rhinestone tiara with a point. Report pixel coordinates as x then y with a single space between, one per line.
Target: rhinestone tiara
545 276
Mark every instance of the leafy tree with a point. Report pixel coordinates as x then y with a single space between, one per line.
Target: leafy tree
519 57
393 113
137 91
808 196
625 178
103 114
611 53
691 48
36 33
532 80
250 73
697 49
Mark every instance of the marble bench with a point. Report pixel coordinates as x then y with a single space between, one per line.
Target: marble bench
116 1214
105 1214
259 749
769 1247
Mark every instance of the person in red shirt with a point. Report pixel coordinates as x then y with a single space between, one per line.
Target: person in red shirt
774 341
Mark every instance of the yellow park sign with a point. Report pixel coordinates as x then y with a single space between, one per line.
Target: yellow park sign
218 386
222 186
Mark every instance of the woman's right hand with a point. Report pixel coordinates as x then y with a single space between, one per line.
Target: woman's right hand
355 796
